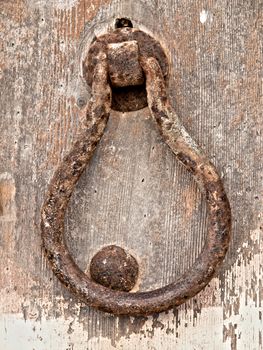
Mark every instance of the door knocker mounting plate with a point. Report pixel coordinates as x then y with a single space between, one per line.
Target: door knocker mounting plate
132 96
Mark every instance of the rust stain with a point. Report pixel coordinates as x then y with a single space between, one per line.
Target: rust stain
7 215
190 198
237 120
253 47
7 195
230 332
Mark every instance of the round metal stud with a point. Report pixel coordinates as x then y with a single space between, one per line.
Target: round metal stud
114 268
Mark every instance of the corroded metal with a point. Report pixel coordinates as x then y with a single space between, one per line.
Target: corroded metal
130 73
185 150
128 98
114 268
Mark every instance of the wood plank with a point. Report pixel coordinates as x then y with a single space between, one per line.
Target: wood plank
134 193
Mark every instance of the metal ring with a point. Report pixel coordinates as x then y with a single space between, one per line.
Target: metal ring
73 165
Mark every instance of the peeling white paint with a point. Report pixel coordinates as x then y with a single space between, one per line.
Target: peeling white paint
216 327
207 333
203 16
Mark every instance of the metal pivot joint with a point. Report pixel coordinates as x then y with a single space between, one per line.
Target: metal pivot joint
126 70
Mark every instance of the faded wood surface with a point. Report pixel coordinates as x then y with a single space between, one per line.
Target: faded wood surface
134 193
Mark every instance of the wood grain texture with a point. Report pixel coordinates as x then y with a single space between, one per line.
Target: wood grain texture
134 193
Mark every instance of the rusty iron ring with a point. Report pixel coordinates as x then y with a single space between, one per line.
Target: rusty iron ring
73 165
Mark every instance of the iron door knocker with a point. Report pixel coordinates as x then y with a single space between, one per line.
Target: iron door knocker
122 67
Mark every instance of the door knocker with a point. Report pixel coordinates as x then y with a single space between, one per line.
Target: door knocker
126 70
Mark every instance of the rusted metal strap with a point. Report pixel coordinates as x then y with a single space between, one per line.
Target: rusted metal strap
71 168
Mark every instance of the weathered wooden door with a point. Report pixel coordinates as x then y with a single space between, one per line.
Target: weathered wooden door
134 193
